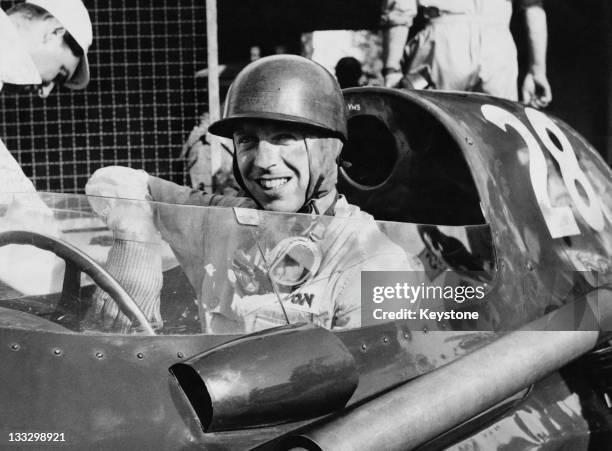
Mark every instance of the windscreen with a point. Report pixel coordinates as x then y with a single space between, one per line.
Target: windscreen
209 270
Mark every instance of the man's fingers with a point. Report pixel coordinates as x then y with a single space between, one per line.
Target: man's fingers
109 313
526 98
528 90
542 96
122 323
393 80
545 94
536 91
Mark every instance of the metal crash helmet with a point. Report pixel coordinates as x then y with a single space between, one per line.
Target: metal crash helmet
286 88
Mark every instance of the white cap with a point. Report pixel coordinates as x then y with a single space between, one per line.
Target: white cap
73 15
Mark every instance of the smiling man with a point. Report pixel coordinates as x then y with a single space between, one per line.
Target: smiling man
287 118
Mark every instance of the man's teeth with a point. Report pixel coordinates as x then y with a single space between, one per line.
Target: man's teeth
273 183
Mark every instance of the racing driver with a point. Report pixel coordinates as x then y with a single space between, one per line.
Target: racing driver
287 118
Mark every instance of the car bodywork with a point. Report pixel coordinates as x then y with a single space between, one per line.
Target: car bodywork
462 182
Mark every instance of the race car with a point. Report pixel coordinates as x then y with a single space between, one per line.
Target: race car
488 194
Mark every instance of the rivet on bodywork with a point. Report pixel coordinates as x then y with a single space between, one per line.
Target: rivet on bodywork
364 347
140 355
530 266
57 351
180 355
99 355
15 346
385 340
469 141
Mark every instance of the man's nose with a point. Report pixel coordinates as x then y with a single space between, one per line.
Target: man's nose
267 155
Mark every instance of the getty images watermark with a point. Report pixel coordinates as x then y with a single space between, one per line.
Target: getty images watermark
472 300
409 295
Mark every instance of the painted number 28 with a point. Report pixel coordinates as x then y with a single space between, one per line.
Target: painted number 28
559 220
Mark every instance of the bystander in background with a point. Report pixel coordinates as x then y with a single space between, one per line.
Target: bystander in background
206 172
466 46
348 72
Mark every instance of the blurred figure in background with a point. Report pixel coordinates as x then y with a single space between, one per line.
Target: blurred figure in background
204 173
348 72
254 53
466 46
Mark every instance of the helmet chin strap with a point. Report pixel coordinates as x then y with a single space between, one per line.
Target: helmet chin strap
309 204
317 205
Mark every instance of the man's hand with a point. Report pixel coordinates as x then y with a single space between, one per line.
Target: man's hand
119 196
393 79
536 90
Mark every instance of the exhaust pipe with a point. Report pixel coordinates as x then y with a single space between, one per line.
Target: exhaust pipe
281 375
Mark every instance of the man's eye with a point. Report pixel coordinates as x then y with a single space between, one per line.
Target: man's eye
245 140
285 138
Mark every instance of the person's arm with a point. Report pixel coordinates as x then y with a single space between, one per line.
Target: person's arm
396 19
394 40
536 90
168 192
135 259
137 225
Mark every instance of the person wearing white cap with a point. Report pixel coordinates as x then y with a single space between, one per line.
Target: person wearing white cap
50 36
42 43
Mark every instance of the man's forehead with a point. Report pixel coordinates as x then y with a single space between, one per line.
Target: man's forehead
266 125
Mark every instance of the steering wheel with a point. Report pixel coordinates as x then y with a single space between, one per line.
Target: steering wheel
77 262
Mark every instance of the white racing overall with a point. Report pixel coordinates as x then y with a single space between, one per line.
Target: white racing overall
467 47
